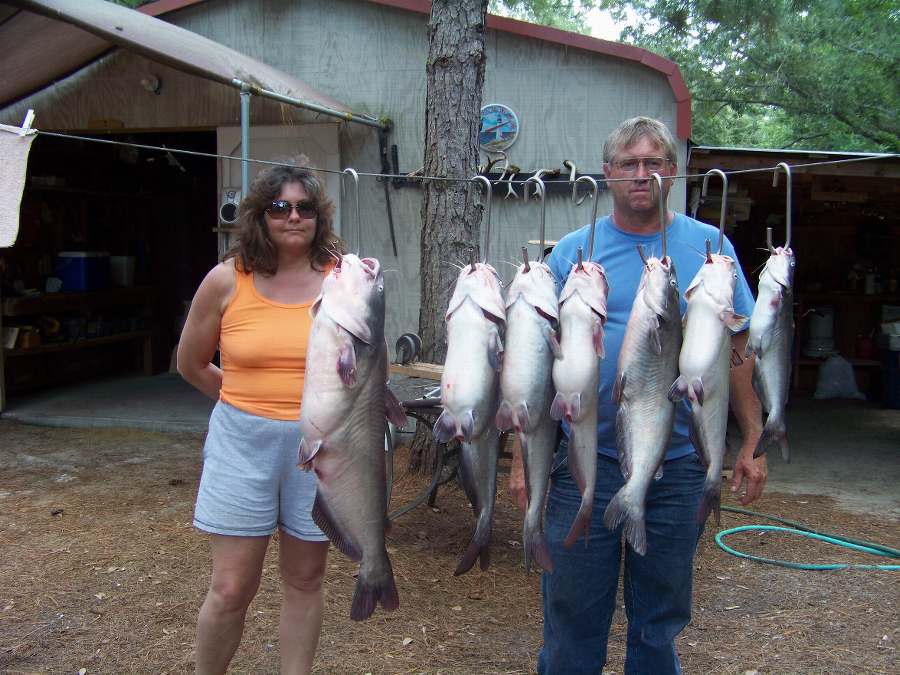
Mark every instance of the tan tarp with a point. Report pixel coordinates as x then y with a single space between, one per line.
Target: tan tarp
14 149
49 39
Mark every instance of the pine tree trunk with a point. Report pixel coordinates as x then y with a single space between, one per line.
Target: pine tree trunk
451 223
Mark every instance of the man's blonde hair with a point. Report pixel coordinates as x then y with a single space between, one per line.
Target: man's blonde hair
629 131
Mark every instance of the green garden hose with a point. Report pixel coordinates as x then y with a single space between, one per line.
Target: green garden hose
804 531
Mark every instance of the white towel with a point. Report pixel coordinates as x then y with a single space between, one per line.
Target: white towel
13 163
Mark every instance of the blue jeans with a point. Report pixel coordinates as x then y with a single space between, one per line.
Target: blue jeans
580 595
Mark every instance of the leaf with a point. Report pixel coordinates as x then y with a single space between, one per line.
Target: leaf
100 596
407 641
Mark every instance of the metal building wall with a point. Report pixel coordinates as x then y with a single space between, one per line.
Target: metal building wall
372 58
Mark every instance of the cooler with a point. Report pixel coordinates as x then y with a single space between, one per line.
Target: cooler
82 270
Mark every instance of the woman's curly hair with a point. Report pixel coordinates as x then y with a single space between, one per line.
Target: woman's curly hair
254 249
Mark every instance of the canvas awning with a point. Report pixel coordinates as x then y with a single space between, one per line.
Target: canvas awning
42 41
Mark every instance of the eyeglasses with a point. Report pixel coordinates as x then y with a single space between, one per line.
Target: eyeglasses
281 208
631 164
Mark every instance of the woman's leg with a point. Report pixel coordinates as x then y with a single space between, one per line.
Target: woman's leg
303 601
237 567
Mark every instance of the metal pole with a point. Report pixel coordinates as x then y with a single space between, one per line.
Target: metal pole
315 107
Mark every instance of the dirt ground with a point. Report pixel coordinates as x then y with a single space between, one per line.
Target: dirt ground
101 570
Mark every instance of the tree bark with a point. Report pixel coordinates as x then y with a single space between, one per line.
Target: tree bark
451 222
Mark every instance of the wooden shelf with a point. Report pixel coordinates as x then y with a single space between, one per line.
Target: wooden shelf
428 371
77 344
44 303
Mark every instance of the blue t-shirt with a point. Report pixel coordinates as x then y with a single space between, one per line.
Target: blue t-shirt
616 250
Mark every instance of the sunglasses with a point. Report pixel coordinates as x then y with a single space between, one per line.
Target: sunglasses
281 208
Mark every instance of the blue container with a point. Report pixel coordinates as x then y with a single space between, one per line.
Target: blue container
82 270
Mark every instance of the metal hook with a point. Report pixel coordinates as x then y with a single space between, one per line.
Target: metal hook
595 196
525 258
487 228
539 185
787 172
720 174
662 212
580 264
708 252
352 173
570 165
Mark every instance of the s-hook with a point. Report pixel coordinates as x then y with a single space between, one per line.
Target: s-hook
489 189
662 214
596 199
787 218
539 185
720 174
352 173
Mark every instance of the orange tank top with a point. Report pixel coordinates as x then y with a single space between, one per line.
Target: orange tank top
262 344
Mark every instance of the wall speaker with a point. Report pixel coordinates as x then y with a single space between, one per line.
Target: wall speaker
228 208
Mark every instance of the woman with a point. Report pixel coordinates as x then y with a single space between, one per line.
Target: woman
254 308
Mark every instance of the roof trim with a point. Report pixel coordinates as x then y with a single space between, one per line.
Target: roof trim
788 151
628 52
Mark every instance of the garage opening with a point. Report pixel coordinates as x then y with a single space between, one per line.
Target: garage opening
113 242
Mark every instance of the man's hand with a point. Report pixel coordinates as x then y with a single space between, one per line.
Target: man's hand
754 471
517 478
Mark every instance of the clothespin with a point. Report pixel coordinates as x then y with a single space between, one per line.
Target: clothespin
26 123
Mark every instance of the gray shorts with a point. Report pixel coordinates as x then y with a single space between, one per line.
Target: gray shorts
251 483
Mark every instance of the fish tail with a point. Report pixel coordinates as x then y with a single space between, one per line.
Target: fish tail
368 595
710 502
581 524
536 549
775 431
474 551
621 511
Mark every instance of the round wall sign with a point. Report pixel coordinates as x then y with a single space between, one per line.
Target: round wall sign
499 127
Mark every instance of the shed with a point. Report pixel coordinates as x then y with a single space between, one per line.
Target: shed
846 237
160 213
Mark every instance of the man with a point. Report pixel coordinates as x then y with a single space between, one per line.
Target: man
579 596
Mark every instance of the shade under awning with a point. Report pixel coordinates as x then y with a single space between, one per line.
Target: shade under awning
47 39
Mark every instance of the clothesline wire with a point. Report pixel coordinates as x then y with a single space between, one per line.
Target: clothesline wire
212 155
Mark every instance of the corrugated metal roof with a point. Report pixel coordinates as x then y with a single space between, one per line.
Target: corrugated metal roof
48 39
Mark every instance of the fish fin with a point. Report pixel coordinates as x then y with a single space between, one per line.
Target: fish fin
306 452
393 409
625 464
597 335
536 549
325 520
775 431
566 407
505 416
697 442
495 352
736 359
678 390
618 512
696 282
654 337
581 525
367 596
697 388
523 421
467 426
445 427
710 502
618 388
553 341
346 364
735 322
752 347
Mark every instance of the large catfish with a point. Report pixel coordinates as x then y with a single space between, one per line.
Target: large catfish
704 363
648 364
469 389
342 419
771 334
526 386
576 374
